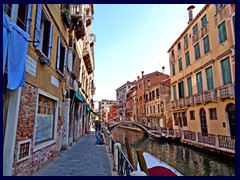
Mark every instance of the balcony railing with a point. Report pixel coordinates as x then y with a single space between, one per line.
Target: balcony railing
227 91
198 98
174 104
181 102
195 37
186 46
209 96
204 31
189 101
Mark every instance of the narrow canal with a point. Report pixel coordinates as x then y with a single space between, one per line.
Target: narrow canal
188 161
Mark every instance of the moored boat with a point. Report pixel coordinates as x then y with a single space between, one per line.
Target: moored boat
156 167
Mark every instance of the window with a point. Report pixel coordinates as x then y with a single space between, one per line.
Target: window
61 57
153 94
192 115
181 90
187 58
226 71
174 93
204 20
154 109
45 123
180 64
157 92
189 83
199 82
150 97
158 108
209 77
206 44
195 29
219 6
20 14
175 115
197 51
222 33
213 113
146 96
179 45
43 33
173 69
186 39
172 52
184 118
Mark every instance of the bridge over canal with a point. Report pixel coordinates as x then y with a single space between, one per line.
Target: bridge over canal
146 129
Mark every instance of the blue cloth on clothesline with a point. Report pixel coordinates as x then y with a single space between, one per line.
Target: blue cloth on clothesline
17 45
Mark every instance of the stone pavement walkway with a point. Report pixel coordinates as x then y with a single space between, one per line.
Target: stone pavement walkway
84 158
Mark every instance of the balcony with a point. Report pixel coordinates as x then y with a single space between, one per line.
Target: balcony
189 101
79 30
209 96
198 98
227 91
181 102
186 46
174 104
204 31
87 57
195 37
88 15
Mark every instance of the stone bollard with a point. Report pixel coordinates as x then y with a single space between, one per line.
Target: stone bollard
138 173
115 163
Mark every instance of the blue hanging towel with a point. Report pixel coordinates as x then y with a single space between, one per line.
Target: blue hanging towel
17 53
6 35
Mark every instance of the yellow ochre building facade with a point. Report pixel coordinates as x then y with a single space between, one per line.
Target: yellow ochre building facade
202 68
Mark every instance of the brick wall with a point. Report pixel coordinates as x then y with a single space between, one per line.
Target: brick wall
25 130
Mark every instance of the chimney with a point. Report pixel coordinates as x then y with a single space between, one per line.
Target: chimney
163 69
137 77
142 73
190 8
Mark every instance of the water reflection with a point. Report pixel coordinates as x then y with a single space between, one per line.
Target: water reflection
189 162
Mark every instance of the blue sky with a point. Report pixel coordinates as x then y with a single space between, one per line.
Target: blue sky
131 38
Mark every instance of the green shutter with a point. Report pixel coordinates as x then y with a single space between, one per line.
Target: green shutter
189 82
50 42
206 44
29 18
226 71
199 82
209 75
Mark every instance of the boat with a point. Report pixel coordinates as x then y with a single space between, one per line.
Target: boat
156 167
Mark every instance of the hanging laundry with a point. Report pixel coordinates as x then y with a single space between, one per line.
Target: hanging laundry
17 46
6 28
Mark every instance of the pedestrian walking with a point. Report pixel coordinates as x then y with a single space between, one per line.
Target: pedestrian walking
97 127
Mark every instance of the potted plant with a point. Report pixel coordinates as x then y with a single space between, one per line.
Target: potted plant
65 16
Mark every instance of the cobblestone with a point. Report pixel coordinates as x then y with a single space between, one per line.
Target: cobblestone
84 158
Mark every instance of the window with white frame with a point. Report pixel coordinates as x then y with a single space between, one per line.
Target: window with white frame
20 14
45 120
43 33
61 57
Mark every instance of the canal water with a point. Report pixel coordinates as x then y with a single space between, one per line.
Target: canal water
188 161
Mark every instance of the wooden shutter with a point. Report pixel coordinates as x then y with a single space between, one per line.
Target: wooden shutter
65 60
29 18
58 53
50 41
38 25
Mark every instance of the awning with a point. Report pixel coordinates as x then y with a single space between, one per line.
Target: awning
78 97
88 109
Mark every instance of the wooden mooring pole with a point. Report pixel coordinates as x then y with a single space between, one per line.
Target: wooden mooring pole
142 162
129 153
